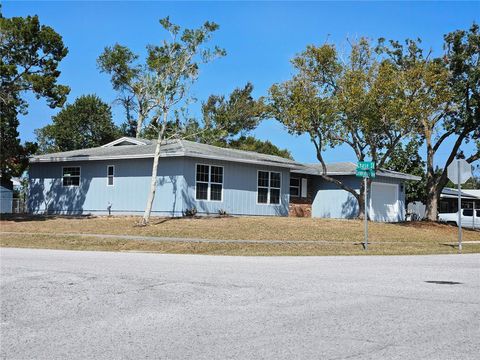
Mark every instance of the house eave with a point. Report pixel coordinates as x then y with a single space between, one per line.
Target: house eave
38 159
408 177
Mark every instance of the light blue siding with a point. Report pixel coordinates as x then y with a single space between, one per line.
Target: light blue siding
239 190
332 202
175 191
6 198
128 195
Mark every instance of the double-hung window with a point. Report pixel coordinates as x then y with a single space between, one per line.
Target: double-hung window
71 176
294 187
268 187
209 182
110 174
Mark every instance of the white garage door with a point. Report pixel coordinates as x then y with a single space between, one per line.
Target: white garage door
384 205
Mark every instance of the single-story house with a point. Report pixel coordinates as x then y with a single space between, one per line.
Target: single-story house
116 177
449 200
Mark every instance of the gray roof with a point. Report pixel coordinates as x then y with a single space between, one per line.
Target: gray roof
133 148
170 148
349 168
453 193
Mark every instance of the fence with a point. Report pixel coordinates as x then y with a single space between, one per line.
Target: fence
19 206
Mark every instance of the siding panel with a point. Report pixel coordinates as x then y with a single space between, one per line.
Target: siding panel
239 190
332 202
175 192
127 196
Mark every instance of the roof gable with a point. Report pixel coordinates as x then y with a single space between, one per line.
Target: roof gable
126 140
131 148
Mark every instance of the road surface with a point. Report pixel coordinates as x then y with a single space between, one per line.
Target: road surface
100 305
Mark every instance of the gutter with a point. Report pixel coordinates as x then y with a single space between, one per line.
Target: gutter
36 159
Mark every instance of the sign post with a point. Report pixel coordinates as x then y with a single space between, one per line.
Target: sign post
366 169
459 171
366 213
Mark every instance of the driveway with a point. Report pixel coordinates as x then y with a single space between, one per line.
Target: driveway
85 305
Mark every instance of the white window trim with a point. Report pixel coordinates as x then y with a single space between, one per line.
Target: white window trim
297 187
209 183
113 176
304 188
79 176
269 187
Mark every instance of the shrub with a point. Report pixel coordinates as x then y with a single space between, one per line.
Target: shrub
190 212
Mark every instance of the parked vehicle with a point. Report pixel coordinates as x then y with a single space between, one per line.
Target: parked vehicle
470 218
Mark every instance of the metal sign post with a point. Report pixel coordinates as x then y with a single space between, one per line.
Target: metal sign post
459 212
366 170
459 171
366 214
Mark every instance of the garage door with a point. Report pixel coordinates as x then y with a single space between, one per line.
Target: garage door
384 205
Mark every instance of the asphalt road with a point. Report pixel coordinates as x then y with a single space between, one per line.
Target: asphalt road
99 305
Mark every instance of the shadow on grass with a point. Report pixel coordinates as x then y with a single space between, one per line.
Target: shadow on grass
30 217
427 224
201 217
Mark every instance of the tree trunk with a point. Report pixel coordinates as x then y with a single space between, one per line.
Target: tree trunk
431 206
341 185
433 196
153 182
362 206
139 125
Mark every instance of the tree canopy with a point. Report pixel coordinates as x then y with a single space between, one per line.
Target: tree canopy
30 55
172 67
446 93
84 124
359 102
225 122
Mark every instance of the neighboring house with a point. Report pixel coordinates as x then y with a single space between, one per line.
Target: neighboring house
205 177
6 196
449 200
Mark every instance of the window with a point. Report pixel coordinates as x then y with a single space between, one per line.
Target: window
268 187
71 176
294 187
467 212
209 182
110 174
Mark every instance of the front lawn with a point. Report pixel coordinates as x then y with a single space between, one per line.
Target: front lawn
327 237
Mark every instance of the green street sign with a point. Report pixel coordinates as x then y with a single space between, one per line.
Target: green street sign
363 173
366 165
366 169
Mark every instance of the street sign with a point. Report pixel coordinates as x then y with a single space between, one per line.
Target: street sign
366 165
462 167
459 171
365 173
365 170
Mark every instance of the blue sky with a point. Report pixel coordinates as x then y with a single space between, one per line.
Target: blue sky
260 39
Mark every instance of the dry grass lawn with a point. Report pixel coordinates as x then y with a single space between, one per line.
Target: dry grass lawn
340 237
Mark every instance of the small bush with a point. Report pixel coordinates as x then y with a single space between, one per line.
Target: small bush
190 212
222 212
